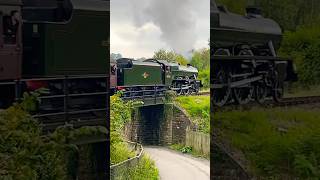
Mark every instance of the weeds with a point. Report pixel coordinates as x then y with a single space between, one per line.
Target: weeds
276 141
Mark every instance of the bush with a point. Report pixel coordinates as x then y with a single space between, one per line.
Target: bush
303 46
204 76
25 153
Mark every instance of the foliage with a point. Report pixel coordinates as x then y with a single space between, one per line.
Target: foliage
120 114
276 141
204 76
303 46
31 100
120 152
201 59
170 56
186 149
198 108
146 170
26 154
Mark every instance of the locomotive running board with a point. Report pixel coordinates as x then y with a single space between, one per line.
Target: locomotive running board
237 83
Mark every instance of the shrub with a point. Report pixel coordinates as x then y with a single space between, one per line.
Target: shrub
303 46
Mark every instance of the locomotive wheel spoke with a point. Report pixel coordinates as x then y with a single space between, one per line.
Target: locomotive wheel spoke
221 95
278 89
243 95
179 91
260 93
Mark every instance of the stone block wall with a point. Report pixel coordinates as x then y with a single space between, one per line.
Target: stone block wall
158 125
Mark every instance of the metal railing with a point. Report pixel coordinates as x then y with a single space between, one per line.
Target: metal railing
153 92
65 108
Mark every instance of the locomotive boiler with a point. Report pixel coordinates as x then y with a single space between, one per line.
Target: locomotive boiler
61 46
244 61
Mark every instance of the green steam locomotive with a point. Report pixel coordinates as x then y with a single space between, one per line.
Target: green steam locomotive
151 75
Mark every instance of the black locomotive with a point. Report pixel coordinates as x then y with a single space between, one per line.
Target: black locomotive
244 62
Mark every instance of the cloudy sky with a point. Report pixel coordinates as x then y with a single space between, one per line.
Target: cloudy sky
141 27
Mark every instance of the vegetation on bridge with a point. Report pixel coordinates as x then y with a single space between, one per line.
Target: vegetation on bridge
120 114
279 143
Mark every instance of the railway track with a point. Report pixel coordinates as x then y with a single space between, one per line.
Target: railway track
269 103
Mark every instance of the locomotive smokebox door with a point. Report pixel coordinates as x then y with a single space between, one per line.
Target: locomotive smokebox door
10 40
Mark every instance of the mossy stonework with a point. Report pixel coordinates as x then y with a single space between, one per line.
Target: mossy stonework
157 125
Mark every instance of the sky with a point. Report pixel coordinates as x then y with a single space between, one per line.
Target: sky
141 27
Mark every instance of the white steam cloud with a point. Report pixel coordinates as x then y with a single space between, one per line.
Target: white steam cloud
174 18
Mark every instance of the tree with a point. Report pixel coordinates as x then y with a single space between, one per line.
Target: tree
162 54
181 60
201 59
170 56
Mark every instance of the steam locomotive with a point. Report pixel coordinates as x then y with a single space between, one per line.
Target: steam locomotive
244 63
152 76
49 44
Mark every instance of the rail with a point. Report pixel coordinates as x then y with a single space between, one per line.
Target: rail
121 169
269 103
65 106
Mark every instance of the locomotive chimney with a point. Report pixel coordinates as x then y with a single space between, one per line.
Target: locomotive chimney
253 12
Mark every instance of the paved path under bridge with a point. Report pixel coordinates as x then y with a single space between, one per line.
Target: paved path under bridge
178 166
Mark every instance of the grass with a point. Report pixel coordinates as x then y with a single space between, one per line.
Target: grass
303 91
120 152
146 170
277 142
188 150
198 108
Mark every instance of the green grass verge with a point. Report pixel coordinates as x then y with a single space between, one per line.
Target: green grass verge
277 142
146 170
198 108
120 152
303 91
188 150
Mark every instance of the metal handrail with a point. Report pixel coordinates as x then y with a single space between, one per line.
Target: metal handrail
66 96
158 91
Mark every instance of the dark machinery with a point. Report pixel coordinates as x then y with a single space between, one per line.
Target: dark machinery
59 45
244 63
151 77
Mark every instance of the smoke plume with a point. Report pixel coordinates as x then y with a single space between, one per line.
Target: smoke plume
174 18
